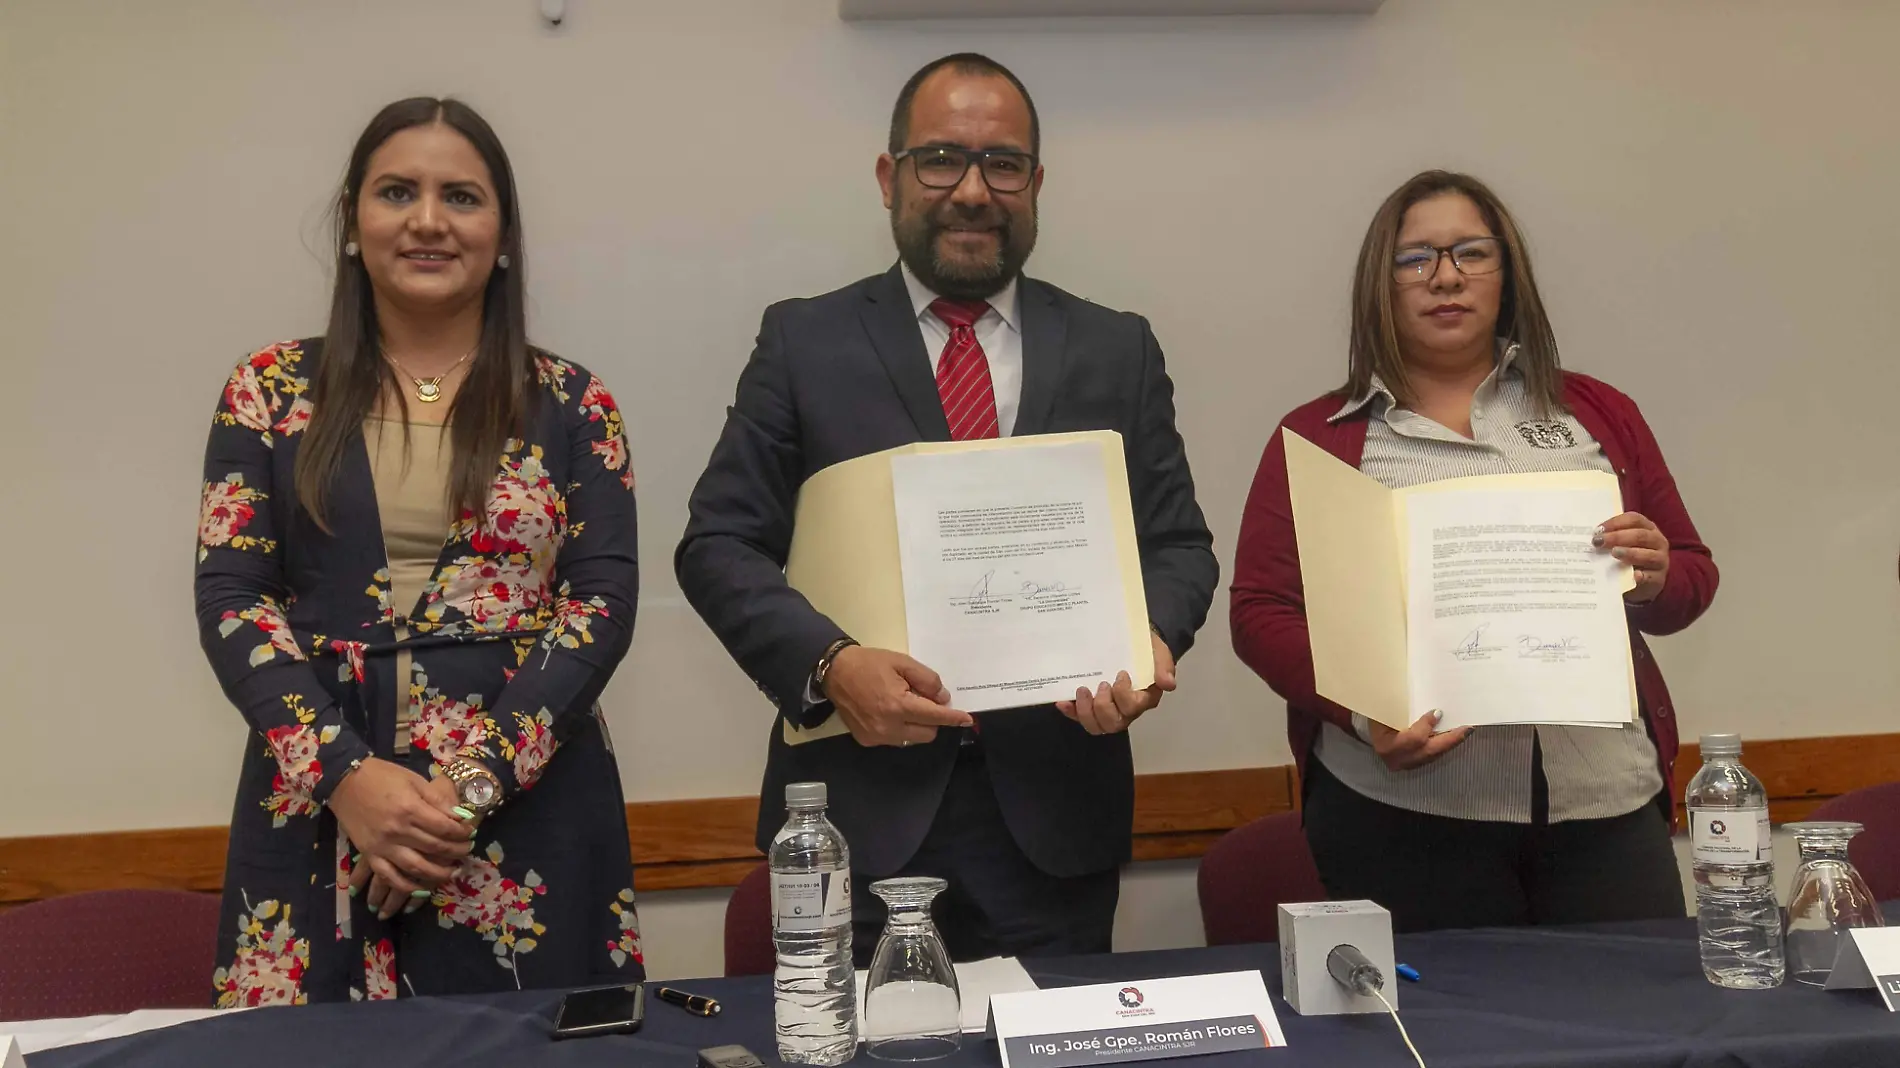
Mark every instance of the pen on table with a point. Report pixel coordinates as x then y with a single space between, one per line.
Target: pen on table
693 1003
1407 973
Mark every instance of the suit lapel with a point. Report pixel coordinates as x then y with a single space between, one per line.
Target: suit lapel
892 324
1045 351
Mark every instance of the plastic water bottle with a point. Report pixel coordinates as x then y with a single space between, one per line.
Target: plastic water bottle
1733 853
814 987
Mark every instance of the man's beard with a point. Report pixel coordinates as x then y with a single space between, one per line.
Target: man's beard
916 237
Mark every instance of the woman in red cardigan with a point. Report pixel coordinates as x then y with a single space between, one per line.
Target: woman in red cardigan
1454 372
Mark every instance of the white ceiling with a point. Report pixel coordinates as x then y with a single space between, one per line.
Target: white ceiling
947 9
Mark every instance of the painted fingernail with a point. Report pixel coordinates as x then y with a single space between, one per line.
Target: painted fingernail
1619 552
419 893
1437 715
352 891
356 859
413 906
1597 538
472 832
1600 529
462 813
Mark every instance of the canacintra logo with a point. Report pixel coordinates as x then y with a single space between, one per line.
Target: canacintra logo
1131 999
1717 827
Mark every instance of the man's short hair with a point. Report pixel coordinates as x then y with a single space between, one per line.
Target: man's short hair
962 63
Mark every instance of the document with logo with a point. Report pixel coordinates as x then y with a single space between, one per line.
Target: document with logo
1479 597
1008 566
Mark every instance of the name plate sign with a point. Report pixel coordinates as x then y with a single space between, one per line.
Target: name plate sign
1869 956
1140 1021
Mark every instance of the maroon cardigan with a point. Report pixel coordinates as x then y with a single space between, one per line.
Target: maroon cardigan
1267 607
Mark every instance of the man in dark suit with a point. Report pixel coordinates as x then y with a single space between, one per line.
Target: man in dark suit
1028 813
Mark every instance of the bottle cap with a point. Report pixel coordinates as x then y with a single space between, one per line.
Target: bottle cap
1721 745
804 795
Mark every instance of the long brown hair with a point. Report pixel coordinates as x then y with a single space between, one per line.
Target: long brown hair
1521 318
490 407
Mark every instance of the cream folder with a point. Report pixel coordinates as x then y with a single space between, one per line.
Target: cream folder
845 557
1352 534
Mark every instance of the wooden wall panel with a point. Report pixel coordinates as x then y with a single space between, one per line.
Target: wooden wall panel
677 845
707 842
1800 773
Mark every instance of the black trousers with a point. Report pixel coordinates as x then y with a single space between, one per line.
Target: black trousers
1434 872
997 903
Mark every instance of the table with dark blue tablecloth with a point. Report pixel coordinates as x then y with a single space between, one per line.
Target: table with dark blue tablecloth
1610 996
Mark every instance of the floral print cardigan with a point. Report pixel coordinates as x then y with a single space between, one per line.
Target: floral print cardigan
529 611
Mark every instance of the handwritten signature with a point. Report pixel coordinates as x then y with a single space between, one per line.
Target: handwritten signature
1472 647
1033 590
980 593
1531 645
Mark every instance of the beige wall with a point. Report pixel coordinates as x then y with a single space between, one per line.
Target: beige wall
1709 187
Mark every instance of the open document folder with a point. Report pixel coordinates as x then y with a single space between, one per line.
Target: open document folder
1479 597
1009 566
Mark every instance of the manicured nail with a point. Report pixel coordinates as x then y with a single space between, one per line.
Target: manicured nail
356 859
1599 530
420 893
1619 552
1437 716
1597 539
413 906
352 891
472 832
462 813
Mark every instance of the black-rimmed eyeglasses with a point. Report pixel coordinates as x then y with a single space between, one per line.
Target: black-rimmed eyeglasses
944 168
1419 263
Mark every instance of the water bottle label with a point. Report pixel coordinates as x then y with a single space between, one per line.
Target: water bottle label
1730 836
811 901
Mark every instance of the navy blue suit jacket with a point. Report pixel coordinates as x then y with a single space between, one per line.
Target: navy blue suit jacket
845 374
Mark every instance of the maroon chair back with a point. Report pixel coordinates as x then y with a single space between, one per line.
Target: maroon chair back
108 951
749 948
1249 873
1876 850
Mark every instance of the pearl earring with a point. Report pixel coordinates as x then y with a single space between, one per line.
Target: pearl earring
501 261
350 249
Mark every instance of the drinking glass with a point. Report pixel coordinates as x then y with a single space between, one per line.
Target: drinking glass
1828 899
912 1010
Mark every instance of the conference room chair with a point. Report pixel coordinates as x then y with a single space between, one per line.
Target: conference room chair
749 948
1876 850
108 951
1249 873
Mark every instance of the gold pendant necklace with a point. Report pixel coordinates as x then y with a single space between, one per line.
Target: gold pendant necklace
428 390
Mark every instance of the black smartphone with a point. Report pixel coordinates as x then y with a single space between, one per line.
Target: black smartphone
607 1010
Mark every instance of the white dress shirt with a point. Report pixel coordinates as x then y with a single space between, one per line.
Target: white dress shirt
999 331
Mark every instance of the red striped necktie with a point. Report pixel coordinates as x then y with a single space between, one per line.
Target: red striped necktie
963 381
963 372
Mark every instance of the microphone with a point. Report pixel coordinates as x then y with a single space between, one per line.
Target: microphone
1335 956
1352 970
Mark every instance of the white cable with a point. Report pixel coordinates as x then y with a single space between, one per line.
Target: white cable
1395 1019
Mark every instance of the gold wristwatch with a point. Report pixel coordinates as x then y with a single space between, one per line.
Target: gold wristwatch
476 787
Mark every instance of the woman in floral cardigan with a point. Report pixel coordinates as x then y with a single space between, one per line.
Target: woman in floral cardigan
416 572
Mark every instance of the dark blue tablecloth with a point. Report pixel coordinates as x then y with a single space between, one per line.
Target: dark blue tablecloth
1614 996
